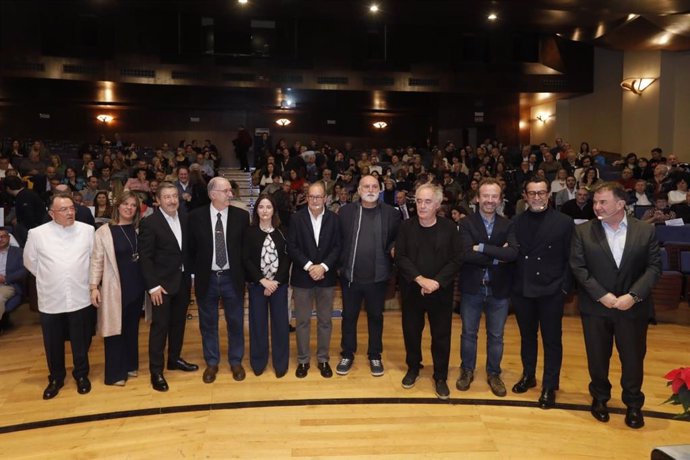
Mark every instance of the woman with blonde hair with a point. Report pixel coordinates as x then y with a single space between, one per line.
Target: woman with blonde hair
117 289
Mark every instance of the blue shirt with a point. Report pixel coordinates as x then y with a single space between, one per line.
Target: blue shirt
616 239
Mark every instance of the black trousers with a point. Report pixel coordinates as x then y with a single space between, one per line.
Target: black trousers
438 307
122 351
168 323
78 327
630 335
374 296
546 314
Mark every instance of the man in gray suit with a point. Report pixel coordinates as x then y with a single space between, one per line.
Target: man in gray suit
615 259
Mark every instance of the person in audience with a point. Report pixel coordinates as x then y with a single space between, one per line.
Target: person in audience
661 212
427 254
88 194
590 177
566 194
488 248
661 182
678 195
102 209
615 297
164 256
640 195
541 281
117 289
74 182
30 210
682 210
314 244
580 207
267 270
58 254
12 275
369 229
32 165
627 180
138 183
216 234
559 183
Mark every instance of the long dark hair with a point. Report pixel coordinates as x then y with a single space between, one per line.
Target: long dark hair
275 220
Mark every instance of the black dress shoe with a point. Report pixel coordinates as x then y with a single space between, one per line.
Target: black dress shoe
302 370
158 382
83 385
52 389
182 365
634 418
281 374
326 371
547 400
524 384
600 411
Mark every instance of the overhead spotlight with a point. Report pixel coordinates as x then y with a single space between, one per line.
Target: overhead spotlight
373 8
380 124
103 118
283 122
492 16
242 2
637 85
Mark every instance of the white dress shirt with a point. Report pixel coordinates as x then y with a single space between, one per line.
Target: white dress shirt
224 220
59 258
316 228
616 239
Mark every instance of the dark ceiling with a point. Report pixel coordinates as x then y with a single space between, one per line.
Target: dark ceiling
618 24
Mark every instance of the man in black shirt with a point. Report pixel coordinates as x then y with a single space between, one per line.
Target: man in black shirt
580 207
369 229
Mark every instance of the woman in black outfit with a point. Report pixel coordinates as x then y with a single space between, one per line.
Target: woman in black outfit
267 268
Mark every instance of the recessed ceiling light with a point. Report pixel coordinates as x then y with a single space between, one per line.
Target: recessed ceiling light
373 8
492 17
242 2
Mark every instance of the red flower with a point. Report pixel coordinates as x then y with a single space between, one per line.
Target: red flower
678 378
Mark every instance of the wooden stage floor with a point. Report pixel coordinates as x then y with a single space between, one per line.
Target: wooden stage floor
356 416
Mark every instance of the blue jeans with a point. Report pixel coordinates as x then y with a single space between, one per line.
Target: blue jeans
496 312
220 287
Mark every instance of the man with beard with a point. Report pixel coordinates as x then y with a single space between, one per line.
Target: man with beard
541 280
369 229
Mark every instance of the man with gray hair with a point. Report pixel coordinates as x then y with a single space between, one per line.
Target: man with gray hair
215 244
427 253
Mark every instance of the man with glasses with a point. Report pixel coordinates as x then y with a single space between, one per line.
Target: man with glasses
314 244
540 284
58 254
215 246
369 229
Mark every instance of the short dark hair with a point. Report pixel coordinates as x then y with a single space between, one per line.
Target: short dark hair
14 183
614 187
55 196
534 179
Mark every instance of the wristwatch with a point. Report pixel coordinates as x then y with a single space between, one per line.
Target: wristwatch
635 297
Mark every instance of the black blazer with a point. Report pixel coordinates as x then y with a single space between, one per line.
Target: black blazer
472 231
201 246
302 248
251 252
542 266
596 272
160 255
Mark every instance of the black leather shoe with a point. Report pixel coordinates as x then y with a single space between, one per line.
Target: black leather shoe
600 411
634 418
326 371
182 365
158 382
302 370
547 400
52 389
524 384
83 385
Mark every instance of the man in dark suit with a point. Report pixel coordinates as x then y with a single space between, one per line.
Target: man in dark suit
541 281
215 247
12 274
163 251
615 259
580 207
405 209
314 244
29 208
488 247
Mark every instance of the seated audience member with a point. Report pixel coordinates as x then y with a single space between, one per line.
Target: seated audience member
102 208
74 182
30 210
138 183
678 195
660 213
661 182
640 196
580 207
5 165
565 194
590 178
559 183
88 194
12 273
627 180
104 179
682 210
32 165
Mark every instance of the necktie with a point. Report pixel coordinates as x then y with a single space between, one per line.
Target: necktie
221 251
404 212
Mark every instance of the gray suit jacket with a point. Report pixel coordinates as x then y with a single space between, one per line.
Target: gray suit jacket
596 272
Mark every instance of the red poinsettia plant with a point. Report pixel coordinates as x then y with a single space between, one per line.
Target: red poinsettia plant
679 381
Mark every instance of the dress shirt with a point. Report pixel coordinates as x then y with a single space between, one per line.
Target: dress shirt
642 199
616 239
3 261
175 226
59 257
224 220
489 226
316 227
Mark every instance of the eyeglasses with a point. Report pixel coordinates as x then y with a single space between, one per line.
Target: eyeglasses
64 210
540 193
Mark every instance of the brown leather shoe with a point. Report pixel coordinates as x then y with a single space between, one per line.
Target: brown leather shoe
237 372
497 386
210 374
